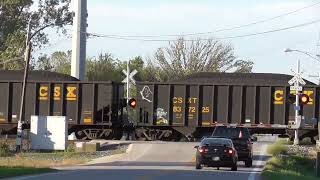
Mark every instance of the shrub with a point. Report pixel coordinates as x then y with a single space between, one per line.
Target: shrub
71 148
277 149
4 150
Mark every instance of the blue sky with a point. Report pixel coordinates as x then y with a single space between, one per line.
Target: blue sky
145 17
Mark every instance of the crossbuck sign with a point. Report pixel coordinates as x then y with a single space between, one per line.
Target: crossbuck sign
129 76
295 81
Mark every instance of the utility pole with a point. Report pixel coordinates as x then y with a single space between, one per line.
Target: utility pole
23 94
79 39
295 86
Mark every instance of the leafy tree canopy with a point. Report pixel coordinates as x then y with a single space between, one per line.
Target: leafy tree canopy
183 58
14 17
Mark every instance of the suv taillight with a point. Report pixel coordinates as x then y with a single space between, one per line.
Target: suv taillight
203 150
229 151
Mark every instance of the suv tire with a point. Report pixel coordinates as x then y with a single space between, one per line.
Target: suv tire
248 163
198 164
234 167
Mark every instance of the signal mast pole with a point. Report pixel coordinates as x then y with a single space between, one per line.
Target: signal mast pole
128 87
296 134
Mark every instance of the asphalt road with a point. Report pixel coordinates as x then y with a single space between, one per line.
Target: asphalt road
157 161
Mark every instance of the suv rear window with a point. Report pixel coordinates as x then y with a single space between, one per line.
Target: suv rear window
231 132
217 141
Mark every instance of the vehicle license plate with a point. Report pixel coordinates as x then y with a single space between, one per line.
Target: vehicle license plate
216 158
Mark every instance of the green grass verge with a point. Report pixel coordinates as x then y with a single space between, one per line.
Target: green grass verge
276 149
6 172
288 166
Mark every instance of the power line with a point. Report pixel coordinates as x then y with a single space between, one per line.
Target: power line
222 38
219 30
56 43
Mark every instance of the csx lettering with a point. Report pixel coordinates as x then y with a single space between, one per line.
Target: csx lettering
43 93
278 97
57 93
192 100
71 96
177 100
310 94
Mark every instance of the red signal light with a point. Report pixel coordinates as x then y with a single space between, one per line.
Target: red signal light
304 99
132 103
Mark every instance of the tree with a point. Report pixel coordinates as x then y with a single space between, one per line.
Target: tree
103 68
58 62
183 58
14 17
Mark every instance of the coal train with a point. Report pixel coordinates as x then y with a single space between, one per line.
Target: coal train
187 109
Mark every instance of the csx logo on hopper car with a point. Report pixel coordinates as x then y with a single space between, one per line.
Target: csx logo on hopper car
70 93
278 97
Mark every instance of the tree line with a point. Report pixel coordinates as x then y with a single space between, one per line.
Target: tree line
179 59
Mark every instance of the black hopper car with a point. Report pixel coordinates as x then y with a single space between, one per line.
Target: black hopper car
182 110
92 108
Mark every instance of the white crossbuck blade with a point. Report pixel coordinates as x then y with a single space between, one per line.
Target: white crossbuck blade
292 81
134 72
297 78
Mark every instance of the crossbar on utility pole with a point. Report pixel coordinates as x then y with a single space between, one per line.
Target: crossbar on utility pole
23 93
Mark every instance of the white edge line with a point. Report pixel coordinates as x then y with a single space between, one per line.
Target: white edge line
253 174
43 174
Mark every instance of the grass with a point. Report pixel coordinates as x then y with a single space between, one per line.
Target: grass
26 163
284 166
278 148
289 168
51 159
6 172
43 160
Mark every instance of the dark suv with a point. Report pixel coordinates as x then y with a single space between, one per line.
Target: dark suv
241 139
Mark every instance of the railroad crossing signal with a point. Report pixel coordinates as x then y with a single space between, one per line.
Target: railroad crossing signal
130 76
132 103
295 88
296 80
303 99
